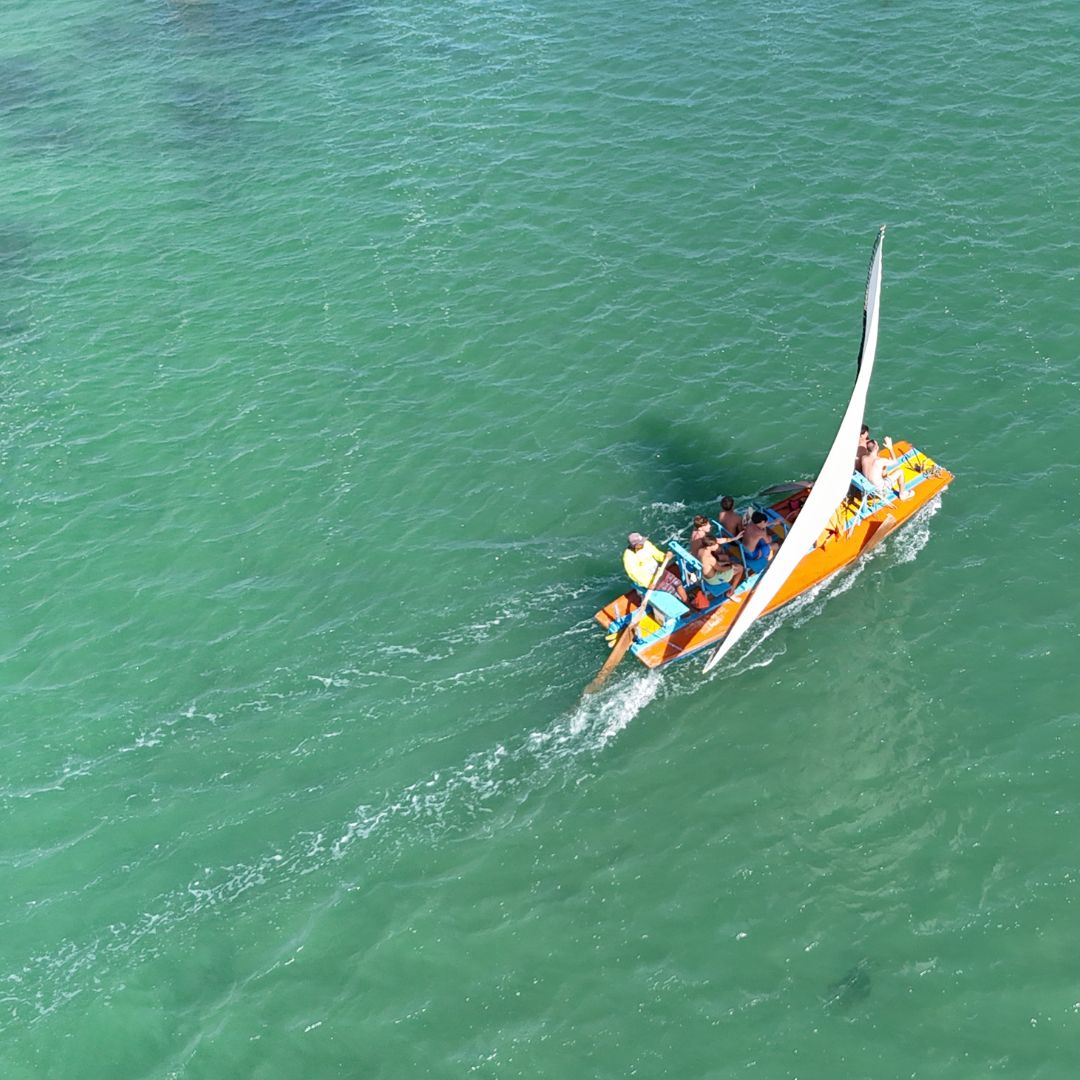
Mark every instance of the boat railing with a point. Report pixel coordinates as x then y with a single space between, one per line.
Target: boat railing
872 498
688 564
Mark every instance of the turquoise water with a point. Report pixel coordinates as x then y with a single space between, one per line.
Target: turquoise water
341 345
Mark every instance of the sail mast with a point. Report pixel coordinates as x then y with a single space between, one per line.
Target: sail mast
832 483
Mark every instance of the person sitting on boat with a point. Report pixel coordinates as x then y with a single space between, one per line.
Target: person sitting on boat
640 560
702 532
758 546
876 469
731 521
717 567
864 443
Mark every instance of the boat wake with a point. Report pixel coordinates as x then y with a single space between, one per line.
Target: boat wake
906 543
447 801
487 786
598 718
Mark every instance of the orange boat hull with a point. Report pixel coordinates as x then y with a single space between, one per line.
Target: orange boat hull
855 528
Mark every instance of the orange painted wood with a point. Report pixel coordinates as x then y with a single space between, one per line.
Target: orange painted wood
836 548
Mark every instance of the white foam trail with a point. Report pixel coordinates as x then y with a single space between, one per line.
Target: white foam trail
445 802
600 717
906 543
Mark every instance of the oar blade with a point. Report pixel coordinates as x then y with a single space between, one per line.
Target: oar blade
618 651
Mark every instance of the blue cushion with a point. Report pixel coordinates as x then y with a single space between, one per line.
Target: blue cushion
670 605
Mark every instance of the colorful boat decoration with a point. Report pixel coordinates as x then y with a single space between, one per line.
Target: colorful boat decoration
821 527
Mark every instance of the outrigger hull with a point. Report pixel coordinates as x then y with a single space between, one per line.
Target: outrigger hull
859 524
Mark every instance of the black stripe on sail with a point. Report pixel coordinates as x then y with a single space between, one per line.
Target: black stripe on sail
866 298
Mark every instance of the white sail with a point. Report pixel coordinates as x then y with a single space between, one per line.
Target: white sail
832 483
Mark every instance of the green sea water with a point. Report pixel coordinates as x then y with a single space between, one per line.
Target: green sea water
341 344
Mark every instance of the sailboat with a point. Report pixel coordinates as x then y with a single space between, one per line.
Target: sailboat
818 529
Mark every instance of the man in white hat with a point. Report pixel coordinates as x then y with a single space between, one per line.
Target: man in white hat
640 560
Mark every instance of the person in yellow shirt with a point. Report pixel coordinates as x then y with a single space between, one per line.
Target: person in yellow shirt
640 560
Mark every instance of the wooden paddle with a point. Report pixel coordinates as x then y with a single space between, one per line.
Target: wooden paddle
626 637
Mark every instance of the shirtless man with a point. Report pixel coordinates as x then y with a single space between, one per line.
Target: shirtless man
728 518
864 445
757 543
876 470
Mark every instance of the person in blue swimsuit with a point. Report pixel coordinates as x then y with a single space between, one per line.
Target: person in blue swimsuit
757 546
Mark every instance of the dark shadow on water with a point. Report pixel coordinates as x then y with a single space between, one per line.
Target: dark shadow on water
253 24
688 464
671 464
196 110
45 139
16 250
206 111
32 105
849 990
23 86
16 273
693 463
112 40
